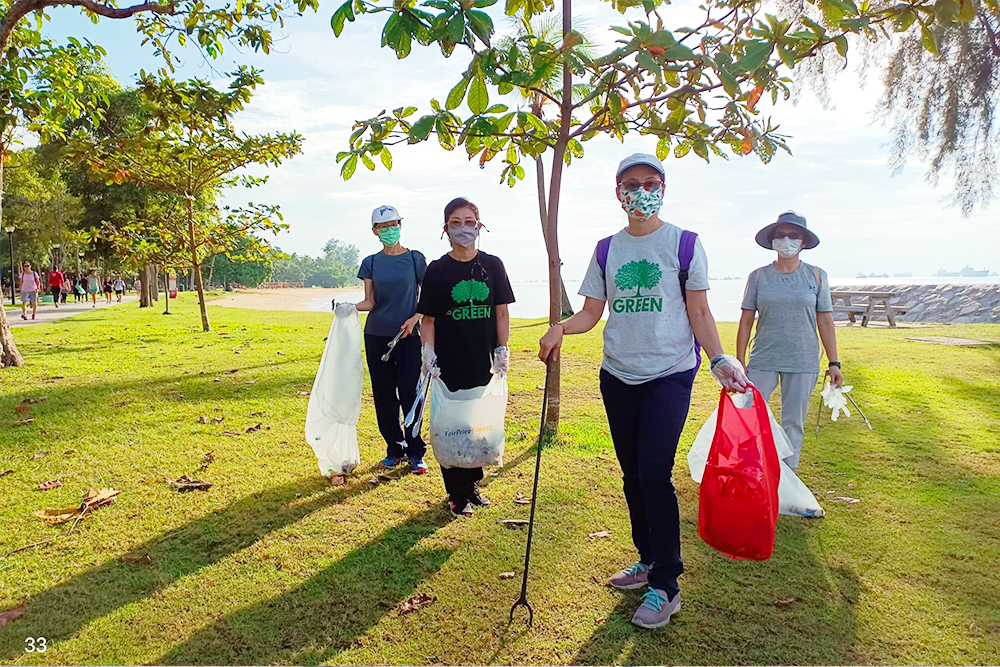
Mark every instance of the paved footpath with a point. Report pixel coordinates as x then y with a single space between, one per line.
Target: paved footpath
49 313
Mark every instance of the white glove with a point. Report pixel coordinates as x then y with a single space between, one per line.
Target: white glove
501 360
728 370
429 360
344 309
833 397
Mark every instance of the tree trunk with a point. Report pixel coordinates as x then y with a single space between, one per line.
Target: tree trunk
552 232
211 271
145 301
567 307
9 356
196 267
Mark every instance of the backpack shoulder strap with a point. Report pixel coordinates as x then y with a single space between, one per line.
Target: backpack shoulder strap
603 246
685 253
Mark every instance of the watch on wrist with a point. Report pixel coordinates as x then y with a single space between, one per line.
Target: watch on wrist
834 363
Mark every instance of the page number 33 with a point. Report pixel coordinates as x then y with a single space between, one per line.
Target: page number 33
35 644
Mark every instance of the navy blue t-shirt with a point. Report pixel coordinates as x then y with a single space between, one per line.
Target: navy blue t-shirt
396 280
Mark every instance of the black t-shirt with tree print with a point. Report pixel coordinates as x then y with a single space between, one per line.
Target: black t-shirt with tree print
462 298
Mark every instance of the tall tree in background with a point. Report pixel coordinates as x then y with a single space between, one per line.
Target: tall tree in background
695 89
190 148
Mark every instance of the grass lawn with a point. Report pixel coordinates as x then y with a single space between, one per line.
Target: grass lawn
273 566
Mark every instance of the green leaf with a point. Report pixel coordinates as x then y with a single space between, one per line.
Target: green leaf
967 11
663 148
755 56
682 149
728 81
497 108
930 42
421 129
348 169
504 88
367 162
841 42
457 94
481 24
479 97
680 52
344 13
386 158
456 27
646 61
480 4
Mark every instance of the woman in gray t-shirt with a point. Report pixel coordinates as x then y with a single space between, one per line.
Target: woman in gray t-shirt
792 301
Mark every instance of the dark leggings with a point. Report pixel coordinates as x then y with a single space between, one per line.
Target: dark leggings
460 483
646 421
394 388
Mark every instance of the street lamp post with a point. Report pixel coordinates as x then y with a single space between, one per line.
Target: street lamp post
10 233
79 258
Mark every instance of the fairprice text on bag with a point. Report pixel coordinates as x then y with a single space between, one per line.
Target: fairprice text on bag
468 431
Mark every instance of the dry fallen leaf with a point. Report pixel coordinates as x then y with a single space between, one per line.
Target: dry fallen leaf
521 499
254 428
540 387
216 380
136 558
514 522
845 499
9 615
39 455
337 480
59 515
785 602
257 414
185 483
507 575
203 419
22 409
22 422
599 534
218 419
95 499
303 393
51 484
34 399
6 472
231 434
416 603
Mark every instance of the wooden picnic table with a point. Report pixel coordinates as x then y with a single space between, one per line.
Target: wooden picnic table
867 304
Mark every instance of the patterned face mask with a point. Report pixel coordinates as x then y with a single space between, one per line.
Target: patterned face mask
640 203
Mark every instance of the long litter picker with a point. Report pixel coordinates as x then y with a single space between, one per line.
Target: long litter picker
523 600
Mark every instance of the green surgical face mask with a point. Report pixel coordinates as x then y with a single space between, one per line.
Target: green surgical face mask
389 236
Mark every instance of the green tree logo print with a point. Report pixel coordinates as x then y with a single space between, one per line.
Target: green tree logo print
638 275
470 290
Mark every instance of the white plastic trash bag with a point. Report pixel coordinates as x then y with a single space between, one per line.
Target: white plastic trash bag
335 400
467 426
794 497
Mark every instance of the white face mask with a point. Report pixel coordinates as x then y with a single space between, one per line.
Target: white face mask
787 247
465 235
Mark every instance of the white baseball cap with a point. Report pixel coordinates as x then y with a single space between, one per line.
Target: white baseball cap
637 159
385 214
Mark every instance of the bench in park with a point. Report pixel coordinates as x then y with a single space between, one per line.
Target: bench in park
867 305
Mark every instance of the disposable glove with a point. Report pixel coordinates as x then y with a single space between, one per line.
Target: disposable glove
833 397
728 370
501 360
429 360
344 309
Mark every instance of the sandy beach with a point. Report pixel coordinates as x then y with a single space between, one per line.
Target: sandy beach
294 299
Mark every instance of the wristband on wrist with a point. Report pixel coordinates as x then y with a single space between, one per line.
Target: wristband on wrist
834 363
715 361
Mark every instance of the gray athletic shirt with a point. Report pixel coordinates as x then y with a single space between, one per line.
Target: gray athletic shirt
395 278
648 334
786 304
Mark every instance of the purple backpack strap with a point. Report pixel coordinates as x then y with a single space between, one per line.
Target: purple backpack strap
685 253
602 253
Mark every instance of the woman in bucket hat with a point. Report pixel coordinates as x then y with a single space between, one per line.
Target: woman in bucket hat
791 301
392 279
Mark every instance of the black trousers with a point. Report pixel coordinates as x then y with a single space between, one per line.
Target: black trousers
394 388
460 482
646 421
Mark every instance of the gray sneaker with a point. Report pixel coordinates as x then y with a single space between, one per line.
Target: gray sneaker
655 610
633 576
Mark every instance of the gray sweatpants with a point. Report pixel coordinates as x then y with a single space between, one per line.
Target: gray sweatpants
796 388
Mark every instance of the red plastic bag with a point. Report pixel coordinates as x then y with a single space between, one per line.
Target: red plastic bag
738 500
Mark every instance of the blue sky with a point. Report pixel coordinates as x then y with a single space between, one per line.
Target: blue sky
868 219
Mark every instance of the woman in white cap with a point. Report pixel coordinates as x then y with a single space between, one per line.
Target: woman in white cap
654 277
791 300
392 280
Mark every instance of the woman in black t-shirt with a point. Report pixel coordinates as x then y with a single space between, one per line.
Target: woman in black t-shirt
465 328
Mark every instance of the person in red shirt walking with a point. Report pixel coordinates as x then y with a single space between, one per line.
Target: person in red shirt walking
55 284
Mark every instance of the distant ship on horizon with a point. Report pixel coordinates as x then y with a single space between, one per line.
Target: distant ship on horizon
967 272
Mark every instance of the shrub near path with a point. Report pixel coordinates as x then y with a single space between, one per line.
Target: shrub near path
271 565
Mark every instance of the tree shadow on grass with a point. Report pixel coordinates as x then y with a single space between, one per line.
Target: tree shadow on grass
63 610
327 613
791 609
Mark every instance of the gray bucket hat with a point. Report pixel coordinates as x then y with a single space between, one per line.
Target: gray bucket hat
766 235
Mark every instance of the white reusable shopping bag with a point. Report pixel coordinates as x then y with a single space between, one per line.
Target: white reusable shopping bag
794 497
467 429
335 400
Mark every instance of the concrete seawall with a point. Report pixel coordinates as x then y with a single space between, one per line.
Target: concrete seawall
961 304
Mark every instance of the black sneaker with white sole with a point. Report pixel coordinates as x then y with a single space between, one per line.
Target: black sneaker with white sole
464 511
477 498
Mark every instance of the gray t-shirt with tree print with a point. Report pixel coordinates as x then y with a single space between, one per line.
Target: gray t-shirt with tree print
648 334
